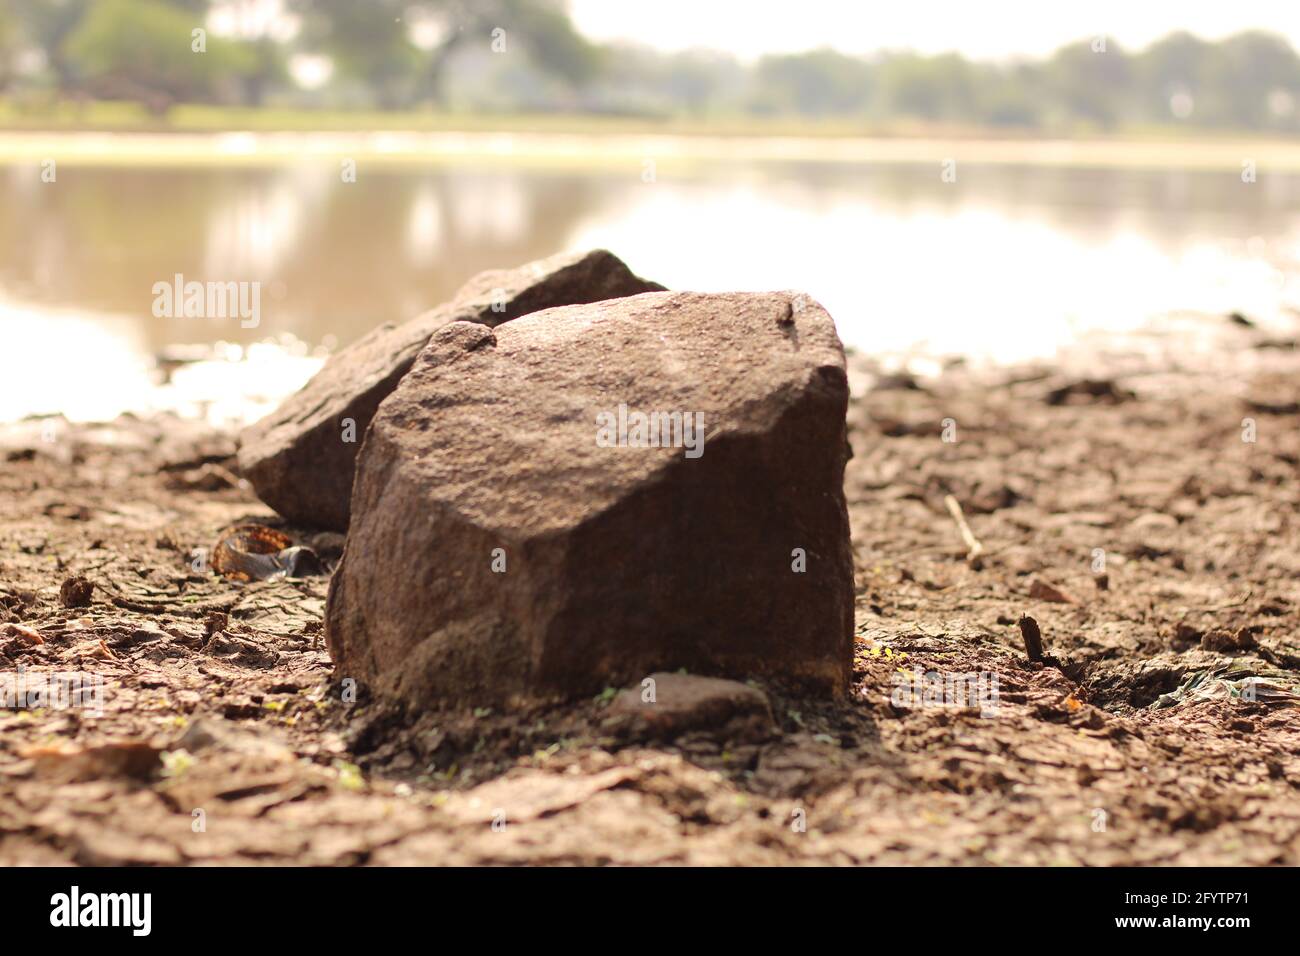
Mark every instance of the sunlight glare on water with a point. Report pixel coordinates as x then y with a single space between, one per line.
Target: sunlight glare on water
94 368
977 281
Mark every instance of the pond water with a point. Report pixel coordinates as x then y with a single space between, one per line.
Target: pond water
1006 263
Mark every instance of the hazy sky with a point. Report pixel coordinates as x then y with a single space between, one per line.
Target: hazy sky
994 29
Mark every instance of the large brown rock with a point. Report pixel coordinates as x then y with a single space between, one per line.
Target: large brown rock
299 458
618 561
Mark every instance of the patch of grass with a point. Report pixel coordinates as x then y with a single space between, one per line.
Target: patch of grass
350 777
46 112
176 762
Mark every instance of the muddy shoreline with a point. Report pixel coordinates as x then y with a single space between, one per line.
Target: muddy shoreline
1168 733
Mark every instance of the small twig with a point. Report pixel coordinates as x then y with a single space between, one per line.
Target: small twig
1250 592
974 550
95 567
1033 638
1034 648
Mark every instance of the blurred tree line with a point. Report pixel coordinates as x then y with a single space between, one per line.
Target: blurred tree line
386 54
526 56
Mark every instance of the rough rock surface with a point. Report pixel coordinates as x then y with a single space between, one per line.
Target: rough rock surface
501 549
297 458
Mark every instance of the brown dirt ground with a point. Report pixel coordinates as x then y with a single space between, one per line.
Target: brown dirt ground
1134 750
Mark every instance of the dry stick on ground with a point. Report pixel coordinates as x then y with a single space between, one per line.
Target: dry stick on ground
974 550
1034 648
1033 638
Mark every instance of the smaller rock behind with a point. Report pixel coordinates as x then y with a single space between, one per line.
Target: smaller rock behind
666 705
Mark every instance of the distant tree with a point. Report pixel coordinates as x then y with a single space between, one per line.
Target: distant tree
143 50
547 35
263 29
638 80
1172 74
266 66
1011 96
373 42
700 81
1084 83
941 87
369 42
818 83
8 47
1251 80
46 24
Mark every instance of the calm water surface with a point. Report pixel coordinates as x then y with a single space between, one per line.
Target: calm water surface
1008 262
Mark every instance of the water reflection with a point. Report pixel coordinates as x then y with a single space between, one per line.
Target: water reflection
333 258
256 231
1006 261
